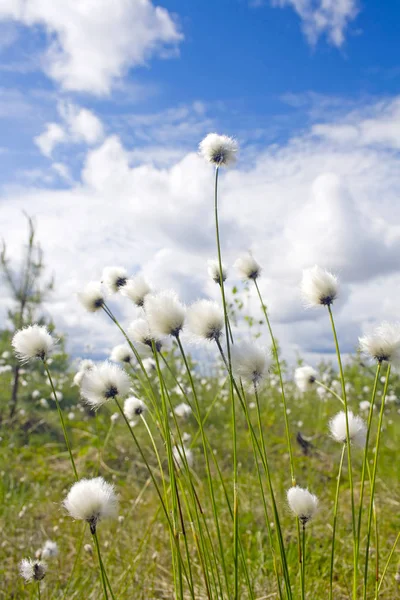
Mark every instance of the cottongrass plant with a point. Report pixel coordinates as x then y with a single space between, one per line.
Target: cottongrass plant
33 570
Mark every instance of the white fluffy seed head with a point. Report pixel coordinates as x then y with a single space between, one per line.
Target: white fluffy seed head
136 289
49 550
180 453
205 320
383 344
91 500
122 354
319 287
165 314
250 362
220 150
214 272
114 278
183 410
103 382
92 296
357 428
247 267
133 407
302 503
32 570
305 378
139 332
33 342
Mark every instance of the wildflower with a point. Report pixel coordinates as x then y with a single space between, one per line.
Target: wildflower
219 150
247 267
357 428
49 550
122 353
133 407
114 278
179 454
32 570
250 362
84 366
383 344
91 500
92 297
364 405
305 378
182 410
302 503
139 331
33 342
166 315
104 382
35 394
114 417
205 320
319 287
214 272
136 289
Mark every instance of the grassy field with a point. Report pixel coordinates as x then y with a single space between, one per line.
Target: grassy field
36 474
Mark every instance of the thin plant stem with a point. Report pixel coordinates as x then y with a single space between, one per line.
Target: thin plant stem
103 579
348 446
373 481
387 565
303 564
67 442
328 389
335 512
76 560
38 589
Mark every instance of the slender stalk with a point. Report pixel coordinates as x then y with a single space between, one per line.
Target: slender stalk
373 482
76 560
103 578
67 443
348 446
328 389
387 565
232 398
303 565
38 589
335 511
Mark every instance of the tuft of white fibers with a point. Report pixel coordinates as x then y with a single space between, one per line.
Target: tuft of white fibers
33 342
220 150
302 503
49 550
180 453
140 333
114 278
103 382
383 344
183 410
319 287
91 500
247 267
32 570
122 354
92 296
250 362
165 314
205 320
84 366
357 428
214 272
133 407
136 289
305 378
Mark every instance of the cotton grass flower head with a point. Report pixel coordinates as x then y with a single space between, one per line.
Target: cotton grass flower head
139 332
319 287
219 150
33 342
136 289
214 272
92 296
305 378
180 453
247 267
383 344
302 503
357 428
32 570
122 354
205 320
183 410
165 314
133 407
49 550
250 362
104 382
91 500
84 366
114 278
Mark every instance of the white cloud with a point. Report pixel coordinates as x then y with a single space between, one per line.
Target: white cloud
313 200
323 17
54 134
92 43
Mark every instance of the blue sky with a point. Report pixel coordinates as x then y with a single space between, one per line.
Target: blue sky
102 106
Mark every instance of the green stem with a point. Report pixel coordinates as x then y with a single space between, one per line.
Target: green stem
38 589
373 482
335 511
103 579
76 560
303 565
387 564
67 443
328 389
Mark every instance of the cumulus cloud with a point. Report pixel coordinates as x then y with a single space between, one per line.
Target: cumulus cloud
323 17
92 43
53 134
